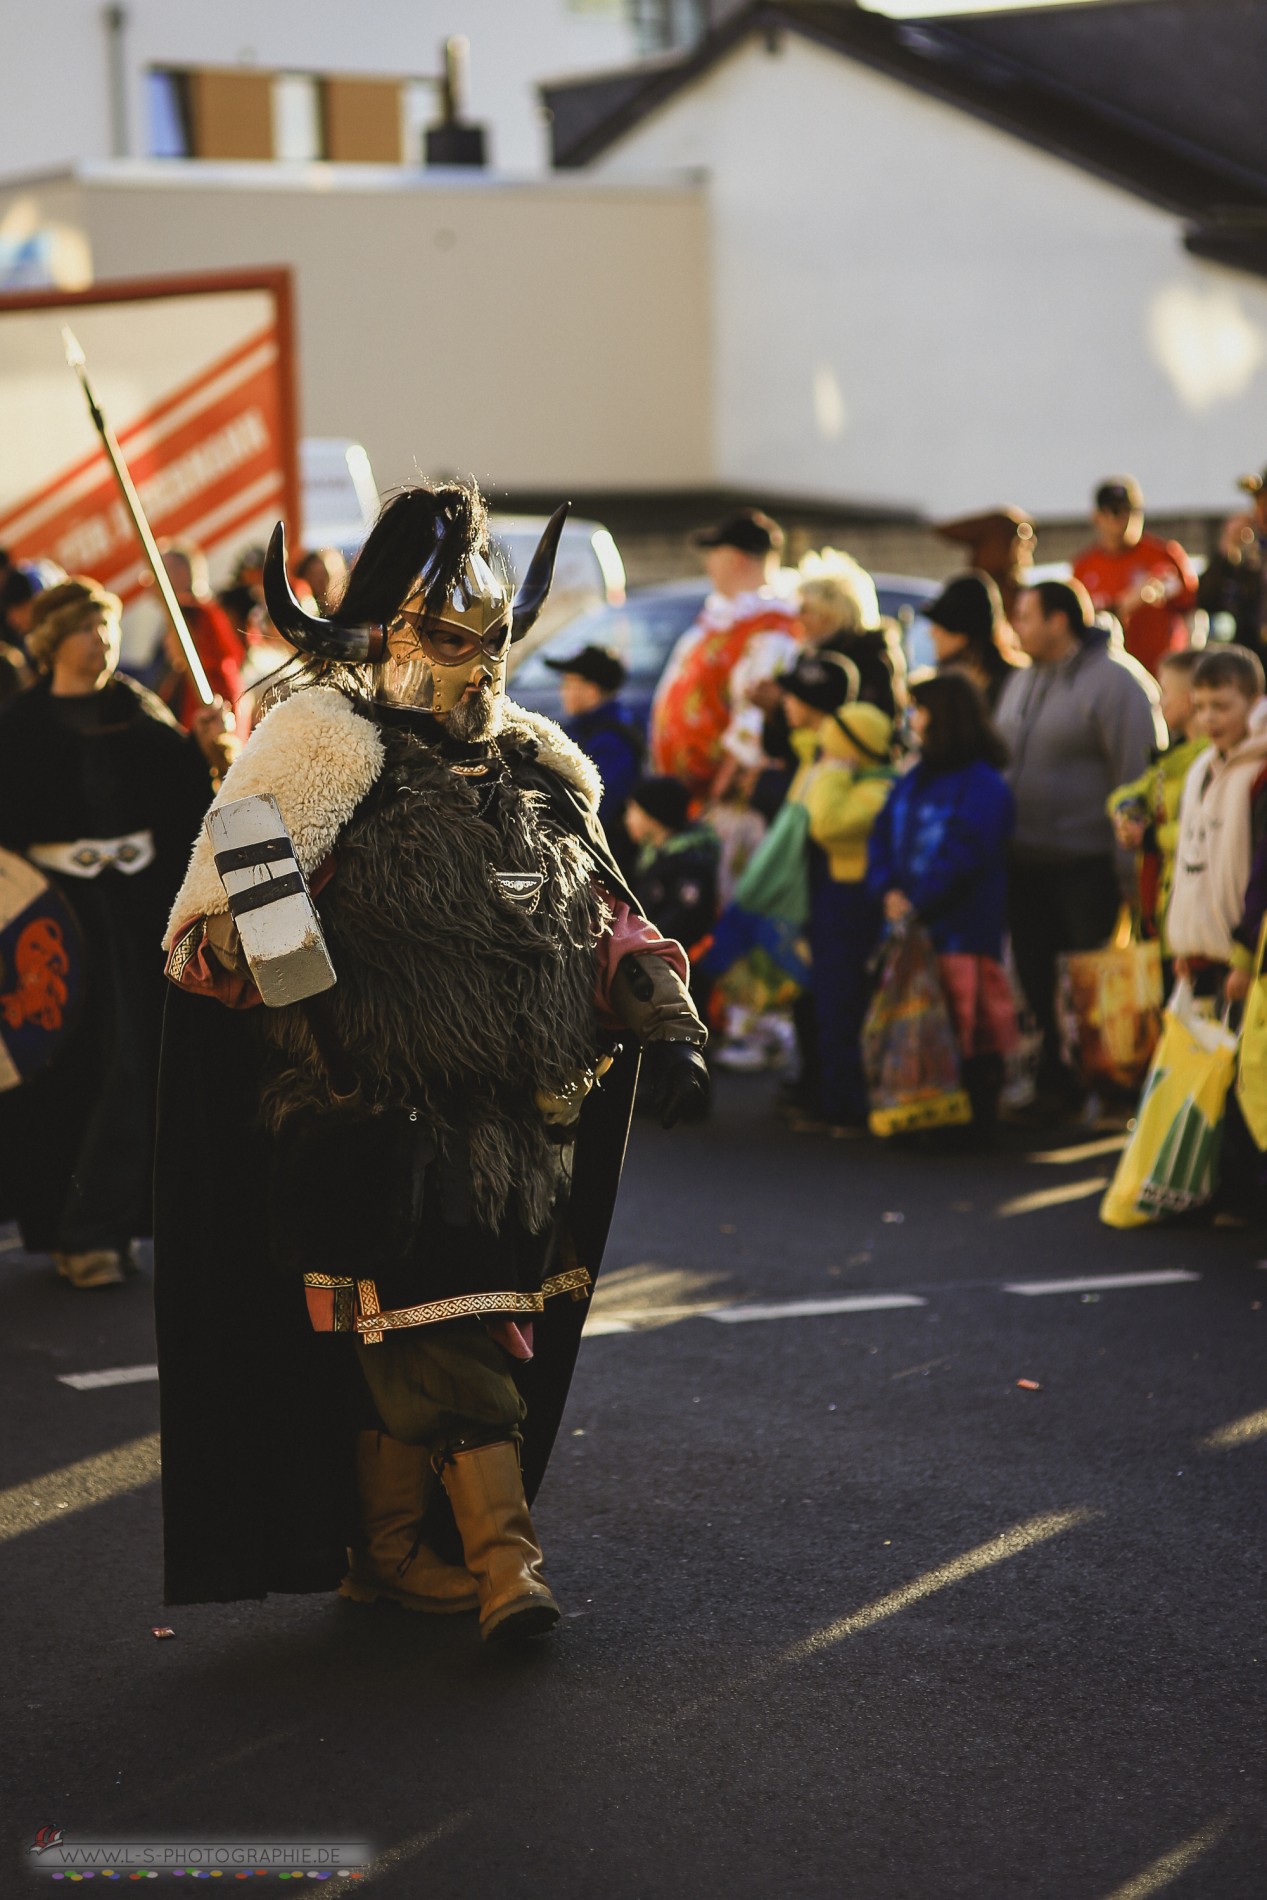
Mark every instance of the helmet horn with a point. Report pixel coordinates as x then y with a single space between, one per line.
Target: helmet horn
536 583
324 639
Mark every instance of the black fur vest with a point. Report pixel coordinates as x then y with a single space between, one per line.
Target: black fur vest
455 997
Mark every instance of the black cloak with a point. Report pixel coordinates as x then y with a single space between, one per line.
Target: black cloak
259 1412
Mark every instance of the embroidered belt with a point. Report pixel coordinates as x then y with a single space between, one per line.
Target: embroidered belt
89 857
372 1322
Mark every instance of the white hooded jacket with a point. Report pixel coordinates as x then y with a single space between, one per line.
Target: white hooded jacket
1216 847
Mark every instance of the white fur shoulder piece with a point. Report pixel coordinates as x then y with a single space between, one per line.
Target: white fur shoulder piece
556 751
318 757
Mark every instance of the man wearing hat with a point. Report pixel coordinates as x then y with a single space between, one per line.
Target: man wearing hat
1234 585
1147 582
593 718
704 726
1000 543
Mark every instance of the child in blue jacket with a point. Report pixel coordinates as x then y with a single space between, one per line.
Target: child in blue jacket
938 851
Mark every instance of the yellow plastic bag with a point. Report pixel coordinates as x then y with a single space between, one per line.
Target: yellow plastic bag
1110 1005
1171 1162
1251 1068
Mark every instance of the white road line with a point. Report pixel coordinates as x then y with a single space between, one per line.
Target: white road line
116 1375
1095 1283
1062 1157
810 1309
1051 1197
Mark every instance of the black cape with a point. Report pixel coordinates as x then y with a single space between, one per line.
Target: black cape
76 1142
259 1412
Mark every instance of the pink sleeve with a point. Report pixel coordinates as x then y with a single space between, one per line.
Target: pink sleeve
204 975
631 933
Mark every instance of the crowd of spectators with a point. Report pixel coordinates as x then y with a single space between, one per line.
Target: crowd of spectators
1081 746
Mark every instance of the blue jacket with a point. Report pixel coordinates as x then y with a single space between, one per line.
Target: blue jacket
609 737
941 839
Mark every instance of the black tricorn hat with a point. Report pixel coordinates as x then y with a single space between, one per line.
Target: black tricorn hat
421 542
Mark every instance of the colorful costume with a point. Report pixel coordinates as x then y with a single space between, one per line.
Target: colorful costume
701 715
423 1158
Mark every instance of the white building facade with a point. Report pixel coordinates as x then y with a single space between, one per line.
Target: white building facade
84 80
914 310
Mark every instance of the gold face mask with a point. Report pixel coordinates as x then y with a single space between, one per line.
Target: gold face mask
434 658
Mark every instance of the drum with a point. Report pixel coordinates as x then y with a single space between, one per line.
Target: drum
41 971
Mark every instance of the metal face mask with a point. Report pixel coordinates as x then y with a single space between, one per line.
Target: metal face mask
433 657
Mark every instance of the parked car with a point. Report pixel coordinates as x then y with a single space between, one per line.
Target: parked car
589 574
651 621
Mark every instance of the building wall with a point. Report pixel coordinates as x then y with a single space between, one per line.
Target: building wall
914 310
540 336
57 101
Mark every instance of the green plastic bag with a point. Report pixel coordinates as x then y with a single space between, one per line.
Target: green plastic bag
775 882
1171 1162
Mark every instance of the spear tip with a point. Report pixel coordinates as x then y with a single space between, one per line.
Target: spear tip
74 350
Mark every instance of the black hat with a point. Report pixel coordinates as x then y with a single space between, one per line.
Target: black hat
825 681
968 604
664 799
747 529
1119 495
602 666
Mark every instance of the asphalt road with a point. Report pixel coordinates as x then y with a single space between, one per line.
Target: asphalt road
848 1612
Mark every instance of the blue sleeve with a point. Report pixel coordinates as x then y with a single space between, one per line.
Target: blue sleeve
881 871
978 825
618 769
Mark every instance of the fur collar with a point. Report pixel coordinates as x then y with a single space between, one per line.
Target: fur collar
319 757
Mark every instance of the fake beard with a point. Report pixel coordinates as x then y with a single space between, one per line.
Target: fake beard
476 716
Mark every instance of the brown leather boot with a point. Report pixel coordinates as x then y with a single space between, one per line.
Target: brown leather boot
486 1490
395 1482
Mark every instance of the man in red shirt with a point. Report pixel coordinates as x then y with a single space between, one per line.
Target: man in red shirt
1148 583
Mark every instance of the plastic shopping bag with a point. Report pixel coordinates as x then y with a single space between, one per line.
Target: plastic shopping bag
1110 1007
909 1048
1171 1162
1251 1068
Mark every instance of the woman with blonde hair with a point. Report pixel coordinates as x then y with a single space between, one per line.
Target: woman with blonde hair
101 790
840 613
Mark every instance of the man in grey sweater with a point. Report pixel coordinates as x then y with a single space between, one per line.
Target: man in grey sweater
1082 719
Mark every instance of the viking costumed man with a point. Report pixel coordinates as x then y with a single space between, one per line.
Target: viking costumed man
371 1349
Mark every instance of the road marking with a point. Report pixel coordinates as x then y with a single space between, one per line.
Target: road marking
46 1500
927 1366
1051 1197
1009 1543
1242 1431
1098 1282
1171 1865
811 1309
115 1375
394 1857
1062 1157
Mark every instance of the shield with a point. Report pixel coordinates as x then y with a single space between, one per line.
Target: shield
41 971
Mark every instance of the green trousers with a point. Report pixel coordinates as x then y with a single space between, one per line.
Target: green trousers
434 1385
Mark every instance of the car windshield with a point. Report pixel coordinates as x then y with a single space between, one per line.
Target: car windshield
642 632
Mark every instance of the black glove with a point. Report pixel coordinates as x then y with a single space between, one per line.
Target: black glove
679 1081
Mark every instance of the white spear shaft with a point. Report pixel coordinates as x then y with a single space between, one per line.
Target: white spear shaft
132 501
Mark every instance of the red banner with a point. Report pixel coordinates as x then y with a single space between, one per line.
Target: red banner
207 460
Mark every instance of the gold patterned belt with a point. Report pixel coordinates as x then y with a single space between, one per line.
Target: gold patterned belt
362 1313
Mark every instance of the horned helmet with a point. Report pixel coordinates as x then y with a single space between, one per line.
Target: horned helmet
427 612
